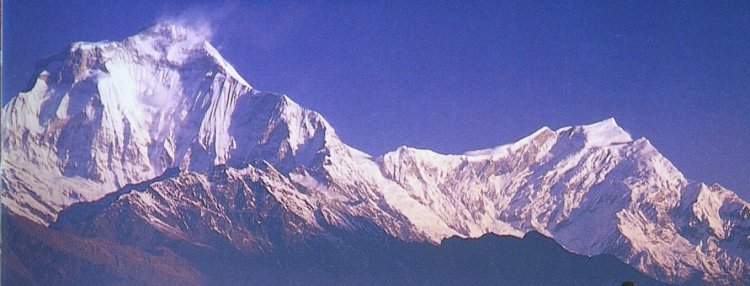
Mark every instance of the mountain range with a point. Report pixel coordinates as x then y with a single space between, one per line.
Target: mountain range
153 151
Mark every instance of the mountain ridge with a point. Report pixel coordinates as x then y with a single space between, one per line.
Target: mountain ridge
532 260
119 113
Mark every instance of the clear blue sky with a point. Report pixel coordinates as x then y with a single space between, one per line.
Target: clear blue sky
457 76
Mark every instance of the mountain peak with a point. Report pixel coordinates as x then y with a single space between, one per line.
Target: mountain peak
177 44
164 39
609 123
605 132
175 32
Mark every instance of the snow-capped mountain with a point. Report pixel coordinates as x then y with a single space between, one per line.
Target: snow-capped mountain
102 115
157 138
594 190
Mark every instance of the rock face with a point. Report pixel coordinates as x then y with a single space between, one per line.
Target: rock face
156 140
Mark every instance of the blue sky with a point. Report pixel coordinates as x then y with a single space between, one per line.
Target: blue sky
462 75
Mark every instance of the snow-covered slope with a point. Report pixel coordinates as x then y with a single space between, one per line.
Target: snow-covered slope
104 116
594 190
